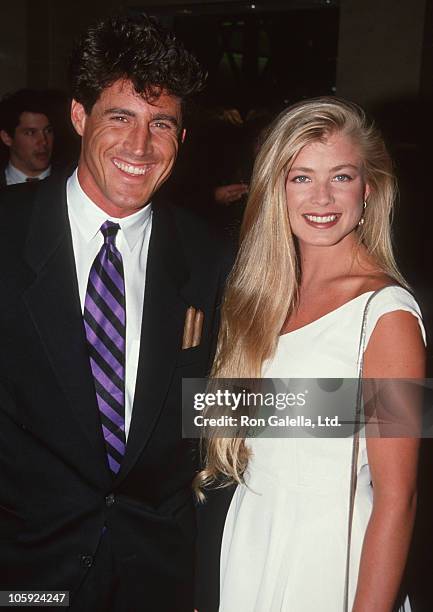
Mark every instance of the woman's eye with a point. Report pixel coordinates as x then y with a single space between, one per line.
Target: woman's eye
341 178
301 179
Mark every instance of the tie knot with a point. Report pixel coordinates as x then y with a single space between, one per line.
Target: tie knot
109 231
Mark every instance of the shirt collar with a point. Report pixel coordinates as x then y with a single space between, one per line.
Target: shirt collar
13 175
89 217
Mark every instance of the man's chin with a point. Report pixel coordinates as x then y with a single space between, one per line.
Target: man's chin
124 204
39 168
41 161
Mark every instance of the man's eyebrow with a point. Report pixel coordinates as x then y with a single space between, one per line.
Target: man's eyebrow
119 111
34 127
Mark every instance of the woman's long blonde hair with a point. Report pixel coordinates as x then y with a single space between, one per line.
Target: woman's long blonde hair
262 290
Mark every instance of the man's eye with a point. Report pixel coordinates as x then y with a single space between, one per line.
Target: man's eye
29 132
301 179
161 125
120 118
341 178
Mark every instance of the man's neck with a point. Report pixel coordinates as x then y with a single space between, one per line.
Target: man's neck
15 175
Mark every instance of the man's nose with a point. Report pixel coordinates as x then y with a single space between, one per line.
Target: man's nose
42 138
140 141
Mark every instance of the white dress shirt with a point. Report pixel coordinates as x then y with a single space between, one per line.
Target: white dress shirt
132 240
14 176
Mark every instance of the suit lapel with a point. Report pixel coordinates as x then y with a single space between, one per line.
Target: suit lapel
54 305
165 303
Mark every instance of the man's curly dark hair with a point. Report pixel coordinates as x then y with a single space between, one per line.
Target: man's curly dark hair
136 48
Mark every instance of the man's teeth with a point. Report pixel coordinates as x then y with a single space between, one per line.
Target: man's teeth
130 169
317 219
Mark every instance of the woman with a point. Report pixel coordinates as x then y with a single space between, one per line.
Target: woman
315 247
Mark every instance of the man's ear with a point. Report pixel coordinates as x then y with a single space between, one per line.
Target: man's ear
78 117
6 139
183 136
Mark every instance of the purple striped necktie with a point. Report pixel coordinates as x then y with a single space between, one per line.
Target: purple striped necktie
105 323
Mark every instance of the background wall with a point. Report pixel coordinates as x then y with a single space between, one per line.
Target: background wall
380 49
381 43
13 45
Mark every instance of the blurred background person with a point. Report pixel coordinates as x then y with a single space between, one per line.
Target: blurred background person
214 171
27 132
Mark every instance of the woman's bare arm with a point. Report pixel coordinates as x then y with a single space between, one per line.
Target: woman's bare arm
395 350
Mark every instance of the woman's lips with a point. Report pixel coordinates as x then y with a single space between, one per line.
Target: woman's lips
321 221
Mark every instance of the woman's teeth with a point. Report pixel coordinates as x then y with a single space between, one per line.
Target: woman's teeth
316 219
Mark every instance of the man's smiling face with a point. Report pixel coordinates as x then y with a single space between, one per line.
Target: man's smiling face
128 147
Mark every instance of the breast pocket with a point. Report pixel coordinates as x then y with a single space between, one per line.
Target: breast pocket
195 354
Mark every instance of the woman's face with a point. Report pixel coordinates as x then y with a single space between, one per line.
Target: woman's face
325 191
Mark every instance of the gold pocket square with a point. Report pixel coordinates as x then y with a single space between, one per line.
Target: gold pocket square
192 328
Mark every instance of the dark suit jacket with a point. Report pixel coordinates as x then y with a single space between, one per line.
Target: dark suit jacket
56 492
2 176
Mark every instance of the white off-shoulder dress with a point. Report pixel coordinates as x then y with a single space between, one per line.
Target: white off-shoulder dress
285 537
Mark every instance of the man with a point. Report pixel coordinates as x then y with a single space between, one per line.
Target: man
26 131
98 278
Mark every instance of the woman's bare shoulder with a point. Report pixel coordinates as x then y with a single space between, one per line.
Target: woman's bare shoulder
352 286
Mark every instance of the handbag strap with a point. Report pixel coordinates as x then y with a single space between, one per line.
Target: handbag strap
355 442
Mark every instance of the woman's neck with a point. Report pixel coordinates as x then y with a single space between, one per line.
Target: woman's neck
320 264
